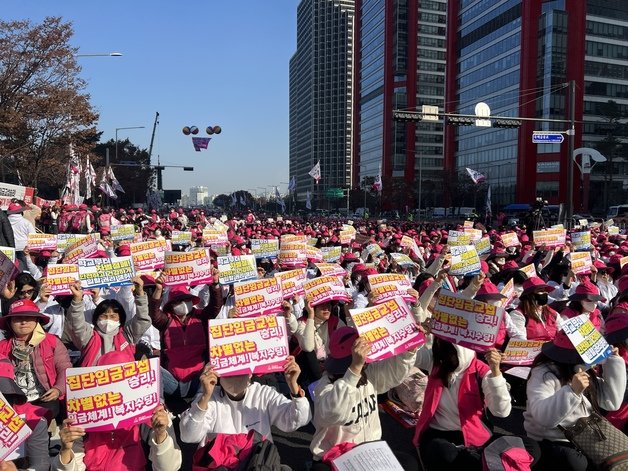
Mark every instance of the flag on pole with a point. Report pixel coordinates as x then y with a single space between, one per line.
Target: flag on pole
377 184
315 173
280 200
234 199
200 143
308 200
115 184
90 178
242 200
105 187
476 176
292 185
489 204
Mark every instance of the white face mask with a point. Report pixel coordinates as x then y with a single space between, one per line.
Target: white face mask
234 385
108 326
588 306
183 308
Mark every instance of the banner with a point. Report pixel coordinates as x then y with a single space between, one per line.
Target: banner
60 277
375 250
362 238
346 237
402 259
474 234
292 282
332 269
325 288
187 268
215 237
590 344
389 327
549 237
105 272
181 238
264 248
123 232
7 268
529 270
293 257
13 429
583 223
483 245
9 252
236 268
458 238
293 239
613 230
148 255
219 249
521 352
8 192
466 322
510 239
386 286
313 254
331 254
581 240
410 243
581 262
258 298
82 248
464 260
37 242
105 398
243 346
66 240
509 291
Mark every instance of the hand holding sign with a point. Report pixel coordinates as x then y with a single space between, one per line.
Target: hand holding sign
359 352
579 381
68 434
291 372
208 380
494 358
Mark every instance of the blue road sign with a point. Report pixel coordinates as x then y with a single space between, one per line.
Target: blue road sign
547 138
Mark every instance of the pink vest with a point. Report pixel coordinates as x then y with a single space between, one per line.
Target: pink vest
33 414
470 405
501 334
184 347
46 352
535 330
93 350
119 449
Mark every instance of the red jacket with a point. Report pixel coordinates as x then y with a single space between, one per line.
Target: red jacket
93 350
118 449
470 405
50 360
184 345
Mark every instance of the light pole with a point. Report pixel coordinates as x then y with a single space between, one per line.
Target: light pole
120 129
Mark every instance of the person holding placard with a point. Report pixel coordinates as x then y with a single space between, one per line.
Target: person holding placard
345 399
584 301
39 359
122 448
238 405
601 276
452 427
109 330
561 390
534 319
36 449
617 335
183 329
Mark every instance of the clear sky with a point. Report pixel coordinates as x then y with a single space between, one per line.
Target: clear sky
202 63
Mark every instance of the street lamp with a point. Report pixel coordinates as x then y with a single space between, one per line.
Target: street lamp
107 54
120 129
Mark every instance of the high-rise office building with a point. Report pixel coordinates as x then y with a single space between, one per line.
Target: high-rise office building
198 195
518 57
400 57
321 107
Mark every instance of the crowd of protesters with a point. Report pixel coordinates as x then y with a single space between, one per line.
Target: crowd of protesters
326 380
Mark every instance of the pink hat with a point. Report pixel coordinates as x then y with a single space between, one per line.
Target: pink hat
484 267
535 284
23 307
423 286
15 208
616 324
124 251
178 294
561 350
587 291
340 347
510 265
488 292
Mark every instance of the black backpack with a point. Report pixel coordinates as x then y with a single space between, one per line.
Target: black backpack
265 457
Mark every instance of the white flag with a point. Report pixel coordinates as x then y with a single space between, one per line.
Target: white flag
476 176
234 199
242 200
315 173
308 200
293 184
115 184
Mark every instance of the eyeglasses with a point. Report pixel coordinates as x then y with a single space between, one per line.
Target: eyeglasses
28 292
